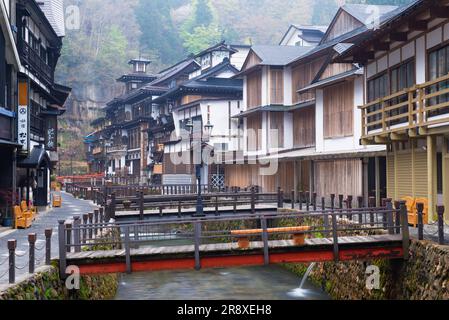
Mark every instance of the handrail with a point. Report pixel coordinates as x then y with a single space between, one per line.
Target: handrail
416 111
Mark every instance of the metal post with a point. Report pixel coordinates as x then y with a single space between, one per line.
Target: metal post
217 213
420 209
77 233
101 219
440 212
314 200
253 201
390 222
308 200
12 245
48 234
372 204
340 204
332 202
32 254
127 250
62 250
349 205
293 199
85 221
141 207
361 202
113 205
197 241
405 230
397 206
266 252
68 228
325 217
301 198
91 223
335 237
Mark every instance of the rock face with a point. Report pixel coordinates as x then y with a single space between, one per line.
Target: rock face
424 276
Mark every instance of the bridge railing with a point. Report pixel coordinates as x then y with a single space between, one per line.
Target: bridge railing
221 232
175 204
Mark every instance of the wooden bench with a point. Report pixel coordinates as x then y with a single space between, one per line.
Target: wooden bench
298 235
22 219
29 212
57 201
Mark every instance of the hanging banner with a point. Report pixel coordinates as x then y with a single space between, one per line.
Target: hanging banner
51 134
23 136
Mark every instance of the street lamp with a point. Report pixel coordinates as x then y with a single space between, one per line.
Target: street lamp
198 167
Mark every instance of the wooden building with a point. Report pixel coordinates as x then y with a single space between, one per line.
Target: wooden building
9 66
406 74
118 146
211 97
40 29
312 104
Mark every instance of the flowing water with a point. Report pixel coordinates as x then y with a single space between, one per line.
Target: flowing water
254 283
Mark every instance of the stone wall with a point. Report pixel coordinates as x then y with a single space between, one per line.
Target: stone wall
46 285
425 276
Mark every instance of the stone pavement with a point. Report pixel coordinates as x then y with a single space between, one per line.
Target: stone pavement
70 207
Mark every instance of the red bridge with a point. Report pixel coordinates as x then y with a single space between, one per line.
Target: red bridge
291 236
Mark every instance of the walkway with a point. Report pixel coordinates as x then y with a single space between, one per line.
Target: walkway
70 207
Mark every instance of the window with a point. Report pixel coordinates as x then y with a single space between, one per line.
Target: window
403 76
377 88
438 67
277 86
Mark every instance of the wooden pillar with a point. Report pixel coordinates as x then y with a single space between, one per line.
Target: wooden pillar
431 176
377 181
365 181
446 178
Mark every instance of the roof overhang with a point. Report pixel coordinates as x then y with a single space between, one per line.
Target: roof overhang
332 80
274 108
12 55
38 158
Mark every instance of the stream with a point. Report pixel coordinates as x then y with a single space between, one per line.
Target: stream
246 283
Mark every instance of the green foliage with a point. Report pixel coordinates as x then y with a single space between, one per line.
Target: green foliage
159 34
201 38
201 29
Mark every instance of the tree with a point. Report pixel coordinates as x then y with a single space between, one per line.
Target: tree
158 32
201 38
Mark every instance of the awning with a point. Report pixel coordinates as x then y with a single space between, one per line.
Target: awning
10 144
38 158
274 108
332 80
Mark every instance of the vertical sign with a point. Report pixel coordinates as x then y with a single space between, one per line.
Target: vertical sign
51 134
22 117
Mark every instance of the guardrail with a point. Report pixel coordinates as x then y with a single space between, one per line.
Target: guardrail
31 253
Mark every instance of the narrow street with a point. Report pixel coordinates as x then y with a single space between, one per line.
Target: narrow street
70 207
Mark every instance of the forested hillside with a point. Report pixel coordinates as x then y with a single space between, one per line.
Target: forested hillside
113 31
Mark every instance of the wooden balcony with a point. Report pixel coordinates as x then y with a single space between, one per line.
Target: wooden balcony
31 58
117 149
412 112
97 150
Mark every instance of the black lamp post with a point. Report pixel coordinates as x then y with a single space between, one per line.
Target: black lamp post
198 167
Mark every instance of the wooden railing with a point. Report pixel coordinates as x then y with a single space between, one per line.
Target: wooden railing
33 59
420 106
